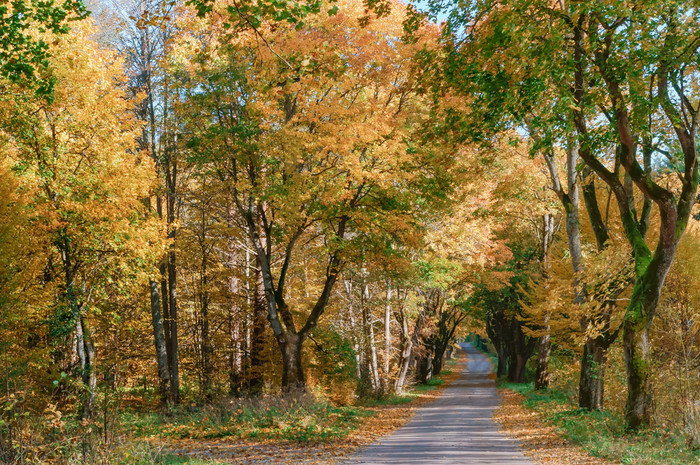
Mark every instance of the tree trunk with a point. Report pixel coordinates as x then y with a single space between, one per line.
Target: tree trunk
355 344
407 352
516 368
257 336
387 339
638 408
542 372
234 309
437 362
371 342
591 386
545 343
89 375
234 360
292 371
502 367
639 399
173 354
424 367
161 351
205 343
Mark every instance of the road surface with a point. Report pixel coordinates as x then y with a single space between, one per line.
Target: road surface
455 429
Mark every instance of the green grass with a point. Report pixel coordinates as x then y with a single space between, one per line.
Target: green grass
392 399
603 434
299 422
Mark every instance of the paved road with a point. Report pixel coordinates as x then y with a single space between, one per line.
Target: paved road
455 429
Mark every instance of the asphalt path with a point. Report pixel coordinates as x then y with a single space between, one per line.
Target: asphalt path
455 429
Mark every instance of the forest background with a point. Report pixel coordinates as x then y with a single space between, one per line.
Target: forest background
219 211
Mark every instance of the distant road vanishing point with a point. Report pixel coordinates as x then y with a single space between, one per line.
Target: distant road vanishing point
456 429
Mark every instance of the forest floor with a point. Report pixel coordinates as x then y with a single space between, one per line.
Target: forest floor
460 418
553 430
375 421
540 440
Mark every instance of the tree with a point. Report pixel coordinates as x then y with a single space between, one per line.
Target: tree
24 56
619 70
271 135
76 156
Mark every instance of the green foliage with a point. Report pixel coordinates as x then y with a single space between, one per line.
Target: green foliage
245 15
24 57
335 356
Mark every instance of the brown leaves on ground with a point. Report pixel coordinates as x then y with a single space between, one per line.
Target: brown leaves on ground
540 441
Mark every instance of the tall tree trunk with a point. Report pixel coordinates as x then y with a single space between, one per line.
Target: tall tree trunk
387 339
545 343
174 348
234 355
205 342
161 352
411 341
424 365
521 348
496 332
257 337
543 350
502 365
89 374
355 341
438 360
591 386
370 340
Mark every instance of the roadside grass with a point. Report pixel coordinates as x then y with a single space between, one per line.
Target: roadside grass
431 385
145 453
287 419
298 417
603 434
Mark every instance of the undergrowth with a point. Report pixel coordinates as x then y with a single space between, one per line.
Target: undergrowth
603 433
298 418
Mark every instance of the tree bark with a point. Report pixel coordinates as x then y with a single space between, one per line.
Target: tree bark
292 371
206 348
591 385
424 366
387 339
407 352
370 345
542 372
89 364
174 347
160 344
546 235
257 337
438 360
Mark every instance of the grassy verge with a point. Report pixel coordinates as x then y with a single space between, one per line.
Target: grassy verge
291 419
603 434
299 418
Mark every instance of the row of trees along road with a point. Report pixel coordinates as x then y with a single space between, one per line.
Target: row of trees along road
226 197
616 84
